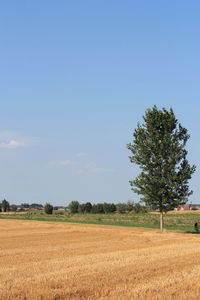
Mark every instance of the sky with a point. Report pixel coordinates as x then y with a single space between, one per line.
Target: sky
75 78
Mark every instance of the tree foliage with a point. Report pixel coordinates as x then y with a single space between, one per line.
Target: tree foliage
25 205
138 208
73 207
87 207
98 208
5 206
48 209
130 207
36 205
158 148
109 208
13 207
121 208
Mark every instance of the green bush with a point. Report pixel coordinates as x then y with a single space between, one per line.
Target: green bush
5 206
73 207
88 207
138 208
121 208
59 212
109 208
48 209
98 208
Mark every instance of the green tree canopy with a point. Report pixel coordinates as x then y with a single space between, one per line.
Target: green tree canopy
5 206
48 209
98 208
88 207
73 207
158 148
109 208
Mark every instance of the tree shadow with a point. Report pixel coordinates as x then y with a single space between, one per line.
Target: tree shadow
192 232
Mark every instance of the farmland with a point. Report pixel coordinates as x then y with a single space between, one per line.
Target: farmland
179 221
46 260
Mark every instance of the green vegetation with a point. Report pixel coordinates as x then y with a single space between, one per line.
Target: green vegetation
73 207
5 206
180 222
158 148
105 208
85 208
48 209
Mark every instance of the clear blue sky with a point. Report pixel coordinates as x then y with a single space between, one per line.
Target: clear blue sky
76 77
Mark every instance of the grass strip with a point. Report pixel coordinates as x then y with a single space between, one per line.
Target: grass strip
183 229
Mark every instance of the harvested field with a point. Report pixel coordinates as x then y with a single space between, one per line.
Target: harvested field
44 260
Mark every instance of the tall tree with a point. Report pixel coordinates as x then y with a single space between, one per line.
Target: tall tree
158 148
48 208
73 207
88 207
5 205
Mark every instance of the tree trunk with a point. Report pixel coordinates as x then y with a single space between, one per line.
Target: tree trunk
161 220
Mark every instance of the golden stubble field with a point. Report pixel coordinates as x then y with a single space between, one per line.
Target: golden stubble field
44 260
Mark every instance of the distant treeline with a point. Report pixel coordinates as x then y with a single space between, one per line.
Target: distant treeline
6 206
75 207
104 208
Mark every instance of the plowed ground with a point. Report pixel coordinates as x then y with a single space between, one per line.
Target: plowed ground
43 260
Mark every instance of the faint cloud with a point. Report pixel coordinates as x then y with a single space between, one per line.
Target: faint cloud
63 163
82 169
12 144
7 134
13 140
81 154
102 170
92 168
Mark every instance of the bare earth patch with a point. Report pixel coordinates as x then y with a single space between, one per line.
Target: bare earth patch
44 260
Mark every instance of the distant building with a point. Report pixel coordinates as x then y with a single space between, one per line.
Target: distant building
188 207
184 207
194 206
59 208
